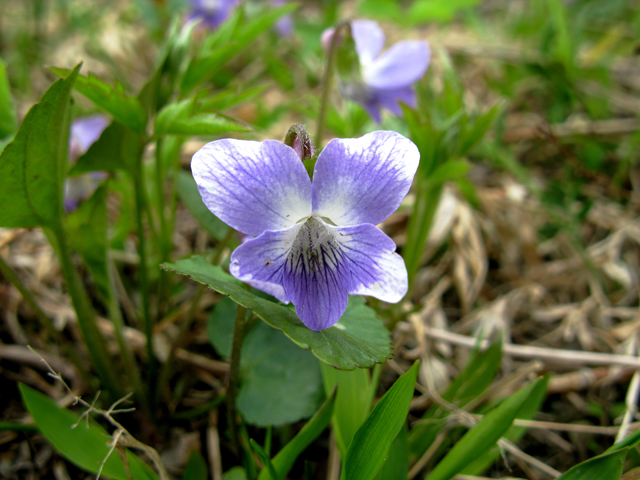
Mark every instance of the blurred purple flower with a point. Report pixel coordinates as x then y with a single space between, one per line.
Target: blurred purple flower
313 242
387 77
284 26
84 132
212 13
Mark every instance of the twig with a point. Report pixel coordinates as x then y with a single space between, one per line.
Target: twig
422 462
566 357
631 403
213 446
121 435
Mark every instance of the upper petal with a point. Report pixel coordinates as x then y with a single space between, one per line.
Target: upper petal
369 39
316 278
401 65
374 267
260 261
253 186
389 98
363 180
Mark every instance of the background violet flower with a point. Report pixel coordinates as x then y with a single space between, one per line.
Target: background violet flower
212 13
84 132
387 77
314 242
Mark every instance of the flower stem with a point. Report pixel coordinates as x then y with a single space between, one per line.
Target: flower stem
327 81
144 283
234 371
93 338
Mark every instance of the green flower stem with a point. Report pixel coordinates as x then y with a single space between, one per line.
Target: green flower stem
327 80
10 274
144 282
128 359
234 372
93 338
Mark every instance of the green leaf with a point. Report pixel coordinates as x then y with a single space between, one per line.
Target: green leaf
113 99
474 379
236 473
232 37
220 326
190 196
527 412
8 122
286 457
118 148
182 118
33 165
359 339
396 467
423 11
196 468
265 459
371 443
484 435
608 465
280 382
353 402
86 447
87 233
231 97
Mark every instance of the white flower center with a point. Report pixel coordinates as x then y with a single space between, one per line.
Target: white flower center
314 248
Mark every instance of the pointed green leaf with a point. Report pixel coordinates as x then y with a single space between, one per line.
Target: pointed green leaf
86 447
396 467
196 468
265 459
286 457
353 402
32 166
370 445
607 466
113 99
474 379
182 118
280 382
359 339
484 435
8 122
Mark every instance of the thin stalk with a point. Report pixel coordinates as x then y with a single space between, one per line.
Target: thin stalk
128 360
10 274
95 341
144 282
185 327
234 372
326 82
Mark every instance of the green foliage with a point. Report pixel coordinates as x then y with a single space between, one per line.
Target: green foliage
285 458
113 99
483 436
396 466
358 340
418 12
85 445
184 118
33 165
608 465
220 326
87 230
371 443
474 379
8 122
280 382
190 196
196 468
353 402
118 148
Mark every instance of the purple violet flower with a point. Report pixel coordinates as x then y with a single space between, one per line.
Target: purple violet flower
316 241
387 77
211 12
284 26
84 132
